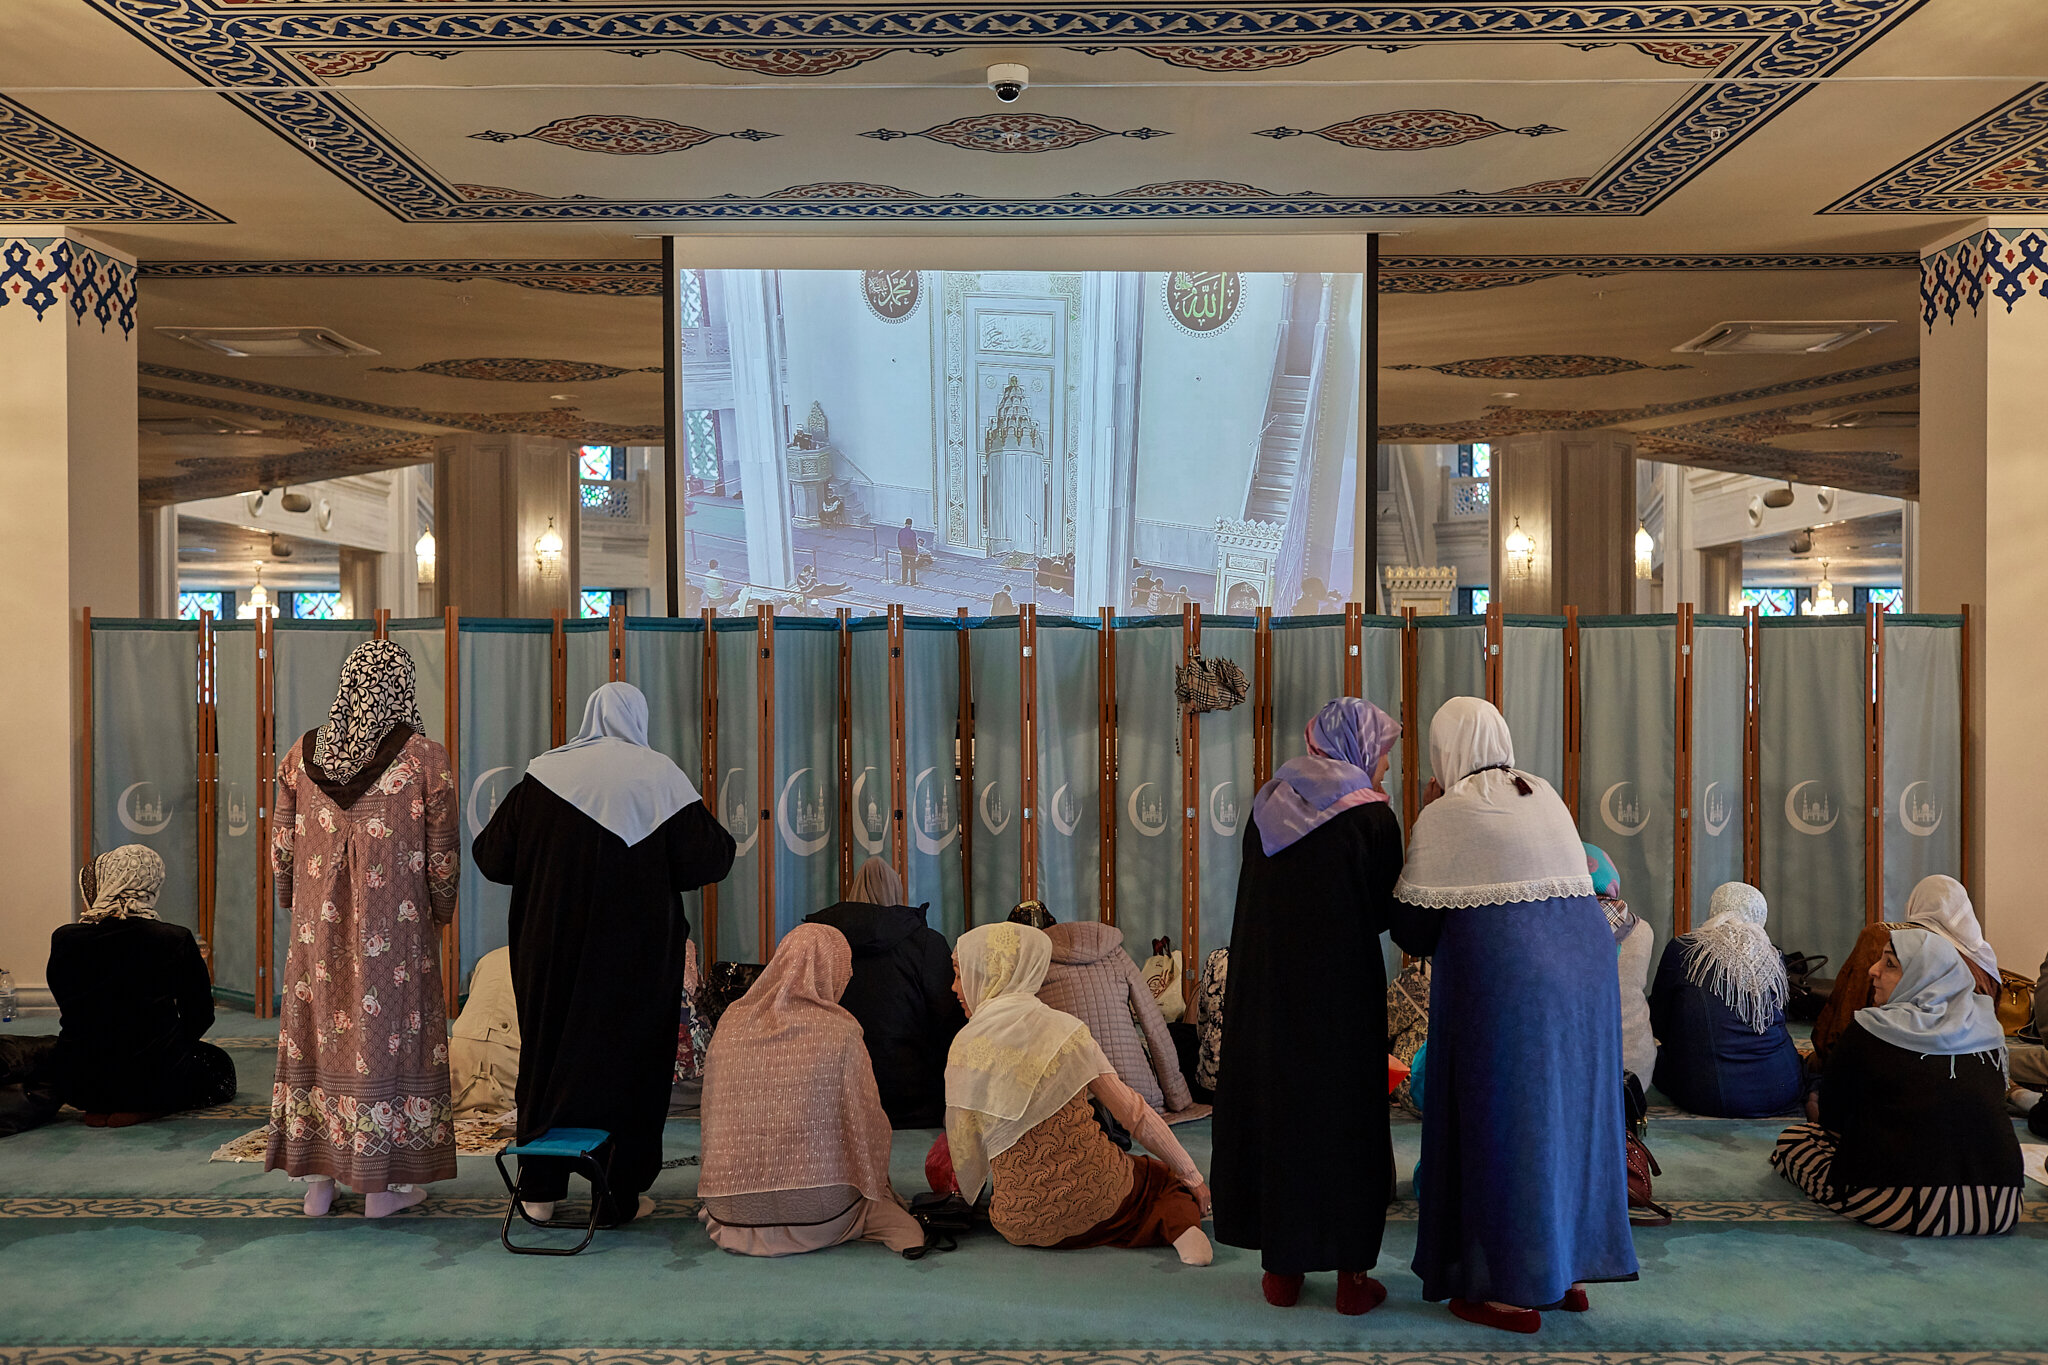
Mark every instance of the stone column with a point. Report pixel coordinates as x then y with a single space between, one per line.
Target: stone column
1983 502
70 519
1574 493
493 497
361 593
1105 531
757 427
157 563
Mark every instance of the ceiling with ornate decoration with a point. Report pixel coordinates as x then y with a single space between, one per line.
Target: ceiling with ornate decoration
471 188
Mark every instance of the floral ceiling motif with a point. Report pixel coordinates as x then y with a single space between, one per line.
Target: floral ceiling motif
1015 133
1997 163
622 135
47 274
2009 264
802 61
504 369
1538 367
21 182
47 174
1410 130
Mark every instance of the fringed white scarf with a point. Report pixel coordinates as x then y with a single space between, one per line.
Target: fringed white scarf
1731 956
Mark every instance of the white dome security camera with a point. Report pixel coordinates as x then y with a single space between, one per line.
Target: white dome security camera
1009 80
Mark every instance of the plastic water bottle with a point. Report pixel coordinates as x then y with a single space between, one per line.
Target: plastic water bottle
6 997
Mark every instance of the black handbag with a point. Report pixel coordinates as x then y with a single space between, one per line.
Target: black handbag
943 1216
1808 993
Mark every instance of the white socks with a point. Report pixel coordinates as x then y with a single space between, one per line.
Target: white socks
1193 1247
319 1195
539 1210
387 1202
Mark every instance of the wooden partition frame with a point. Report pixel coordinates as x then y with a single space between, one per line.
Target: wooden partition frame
1968 767
764 776
899 760
1873 765
1411 686
380 623
1106 754
558 684
708 748
85 849
209 787
964 765
1496 635
1190 804
1573 701
1027 706
845 618
1354 650
1262 697
1752 759
1681 844
616 645
263 988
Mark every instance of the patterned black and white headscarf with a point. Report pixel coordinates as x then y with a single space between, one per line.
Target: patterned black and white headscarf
376 693
122 883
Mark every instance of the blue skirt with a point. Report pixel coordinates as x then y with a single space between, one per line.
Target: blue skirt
1524 1190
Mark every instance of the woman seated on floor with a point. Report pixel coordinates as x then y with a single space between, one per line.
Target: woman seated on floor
483 1042
1096 981
136 1000
1632 939
1719 1011
1912 1135
1938 904
795 1143
1018 1084
901 993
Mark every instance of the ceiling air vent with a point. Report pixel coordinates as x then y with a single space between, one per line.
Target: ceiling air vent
268 343
196 426
1864 419
1778 338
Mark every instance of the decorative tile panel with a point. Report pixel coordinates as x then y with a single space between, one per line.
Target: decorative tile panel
56 274
2009 264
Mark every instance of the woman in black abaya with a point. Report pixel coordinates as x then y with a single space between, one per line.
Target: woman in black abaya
1303 1162
598 842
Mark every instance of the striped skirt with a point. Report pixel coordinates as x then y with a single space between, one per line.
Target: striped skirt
1805 1155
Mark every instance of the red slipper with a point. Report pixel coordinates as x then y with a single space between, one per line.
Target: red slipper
129 1118
1282 1291
95 1120
1358 1293
1524 1320
1575 1301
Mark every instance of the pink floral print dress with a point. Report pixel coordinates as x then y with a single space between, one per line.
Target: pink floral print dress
362 1053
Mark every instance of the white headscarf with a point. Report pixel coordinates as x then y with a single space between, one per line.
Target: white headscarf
1733 957
1018 1061
609 773
1940 904
1935 1010
1496 836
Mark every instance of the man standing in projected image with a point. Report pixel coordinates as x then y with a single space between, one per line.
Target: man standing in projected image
906 550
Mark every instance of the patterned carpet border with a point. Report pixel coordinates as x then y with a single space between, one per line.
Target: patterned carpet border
493 1207
175 1355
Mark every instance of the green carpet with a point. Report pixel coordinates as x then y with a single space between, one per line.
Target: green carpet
127 1247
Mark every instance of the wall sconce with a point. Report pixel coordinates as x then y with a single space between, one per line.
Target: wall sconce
1520 550
423 551
1646 552
547 551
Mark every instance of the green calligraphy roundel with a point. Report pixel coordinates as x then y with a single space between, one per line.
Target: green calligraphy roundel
1203 302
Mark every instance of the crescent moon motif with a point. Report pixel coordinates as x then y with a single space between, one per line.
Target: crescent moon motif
1792 810
927 845
1913 826
1052 812
136 826
1131 809
1707 804
476 826
803 848
990 825
745 845
1613 822
1216 823
860 821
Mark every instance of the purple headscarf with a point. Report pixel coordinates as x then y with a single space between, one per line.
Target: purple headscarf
1345 741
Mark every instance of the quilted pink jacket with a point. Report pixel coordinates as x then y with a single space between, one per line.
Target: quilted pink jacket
1095 980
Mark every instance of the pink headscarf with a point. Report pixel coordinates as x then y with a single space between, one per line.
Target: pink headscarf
1346 740
789 1094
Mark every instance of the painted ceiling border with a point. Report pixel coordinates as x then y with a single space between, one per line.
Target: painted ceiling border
119 192
1937 178
248 45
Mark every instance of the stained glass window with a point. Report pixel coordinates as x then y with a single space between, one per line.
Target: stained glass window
1771 601
1884 599
598 601
600 463
700 443
1475 461
1477 600
190 604
690 299
315 606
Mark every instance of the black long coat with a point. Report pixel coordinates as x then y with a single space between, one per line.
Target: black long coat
902 994
1303 1163
598 946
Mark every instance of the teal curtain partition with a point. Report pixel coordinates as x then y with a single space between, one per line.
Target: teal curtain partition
1069 766
804 788
507 695
998 853
1720 688
426 639
1308 670
664 658
1532 693
587 666
1148 649
1450 662
242 790
931 727
738 799
1812 695
145 751
871 795
309 659
1923 757
1379 658
1628 754
1224 809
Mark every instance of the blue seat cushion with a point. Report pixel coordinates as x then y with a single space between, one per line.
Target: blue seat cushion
562 1142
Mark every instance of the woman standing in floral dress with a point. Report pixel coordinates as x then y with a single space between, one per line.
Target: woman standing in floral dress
365 849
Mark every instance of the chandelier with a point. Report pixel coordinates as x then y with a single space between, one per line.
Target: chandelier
1823 602
258 603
